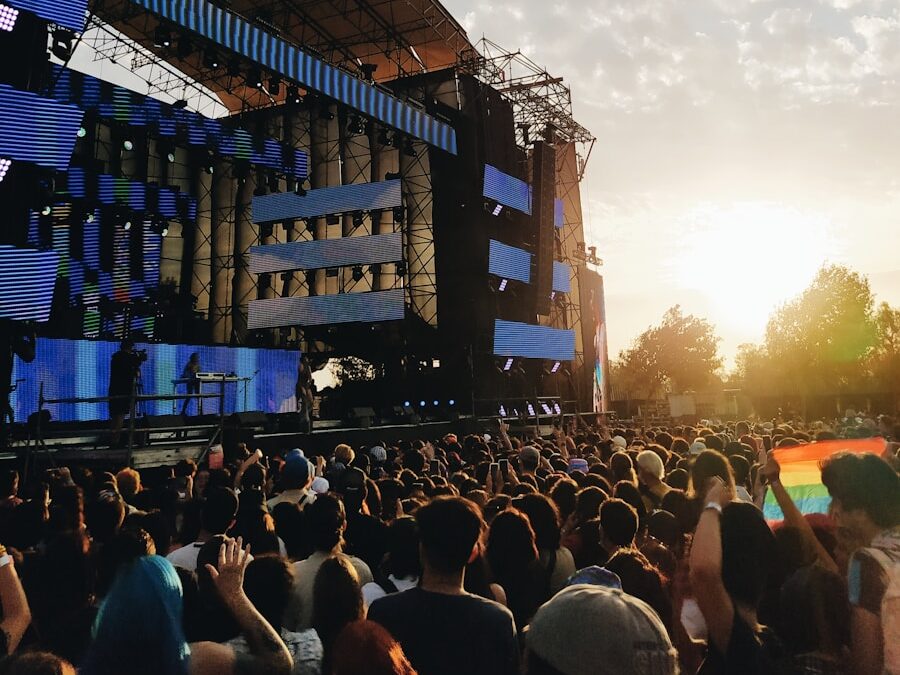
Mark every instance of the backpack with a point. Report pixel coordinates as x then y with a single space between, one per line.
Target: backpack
885 550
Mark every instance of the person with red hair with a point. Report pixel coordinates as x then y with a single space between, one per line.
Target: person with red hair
365 648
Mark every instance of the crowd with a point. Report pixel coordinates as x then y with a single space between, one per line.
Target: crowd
597 550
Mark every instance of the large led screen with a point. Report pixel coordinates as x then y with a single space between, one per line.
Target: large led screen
507 190
37 129
533 342
320 310
324 201
321 253
27 279
80 369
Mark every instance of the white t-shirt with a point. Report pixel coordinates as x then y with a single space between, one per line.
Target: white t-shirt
186 556
372 591
299 612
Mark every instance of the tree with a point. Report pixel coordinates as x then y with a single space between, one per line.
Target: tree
682 353
820 339
885 356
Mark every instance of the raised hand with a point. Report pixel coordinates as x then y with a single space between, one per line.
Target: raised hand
228 574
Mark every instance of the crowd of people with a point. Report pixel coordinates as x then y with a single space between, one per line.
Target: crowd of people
595 550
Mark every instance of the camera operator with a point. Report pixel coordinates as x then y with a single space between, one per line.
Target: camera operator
123 371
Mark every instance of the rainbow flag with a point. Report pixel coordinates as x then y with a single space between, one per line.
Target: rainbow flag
801 476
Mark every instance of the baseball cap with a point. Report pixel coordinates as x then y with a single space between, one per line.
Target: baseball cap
620 441
378 453
296 467
353 480
650 462
596 630
595 576
320 485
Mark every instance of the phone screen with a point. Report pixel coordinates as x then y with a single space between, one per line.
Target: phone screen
504 467
435 467
495 470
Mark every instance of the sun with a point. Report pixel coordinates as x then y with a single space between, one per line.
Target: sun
748 258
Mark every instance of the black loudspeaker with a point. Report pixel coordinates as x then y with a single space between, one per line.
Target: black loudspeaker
162 421
251 418
406 414
542 211
362 416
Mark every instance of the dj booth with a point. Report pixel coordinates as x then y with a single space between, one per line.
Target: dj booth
217 379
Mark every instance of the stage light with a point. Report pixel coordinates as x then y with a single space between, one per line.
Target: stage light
503 283
368 71
293 95
89 217
545 408
254 78
398 214
502 411
128 145
62 44
530 410
325 113
299 190
357 218
497 210
555 367
161 37
508 364
274 85
407 404
557 409
159 225
409 149
401 268
357 273
356 125
8 16
46 210
436 403
81 133
211 59
4 167
421 404
451 403
383 138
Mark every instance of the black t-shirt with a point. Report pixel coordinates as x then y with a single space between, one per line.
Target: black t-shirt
450 634
365 538
749 653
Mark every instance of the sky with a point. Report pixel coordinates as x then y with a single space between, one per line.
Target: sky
741 144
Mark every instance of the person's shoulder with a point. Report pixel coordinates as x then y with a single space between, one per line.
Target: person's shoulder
490 608
183 556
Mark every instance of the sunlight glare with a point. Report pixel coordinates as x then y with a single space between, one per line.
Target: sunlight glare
749 258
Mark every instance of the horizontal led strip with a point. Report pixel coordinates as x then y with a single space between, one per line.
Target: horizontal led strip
512 339
507 190
37 129
322 253
324 201
321 310
27 279
509 262
109 190
71 14
237 34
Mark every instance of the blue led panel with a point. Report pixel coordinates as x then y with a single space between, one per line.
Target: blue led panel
317 254
509 262
562 281
110 190
27 278
321 310
321 202
80 369
533 342
36 129
559 213
114 103
238 35
70 14
506 189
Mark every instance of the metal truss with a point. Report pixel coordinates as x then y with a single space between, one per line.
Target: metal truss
541 102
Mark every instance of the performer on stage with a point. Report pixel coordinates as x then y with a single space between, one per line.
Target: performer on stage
124 370
16 339
305 391
193 384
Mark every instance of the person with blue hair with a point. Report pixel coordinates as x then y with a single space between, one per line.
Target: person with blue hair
139 625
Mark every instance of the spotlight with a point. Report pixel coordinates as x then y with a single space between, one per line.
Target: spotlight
357 273
4 167
409 149
274 85
62 44
503 283
497 210
46 210
398 214
254 78
166 150
421 404
502 411
407 404
508 364
161 37
401 268
211 59
451 403
555 367
128 145
357 218
82 132
367 70
8 17
89 217
356 126
299 190
293 95
383 138
159 225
